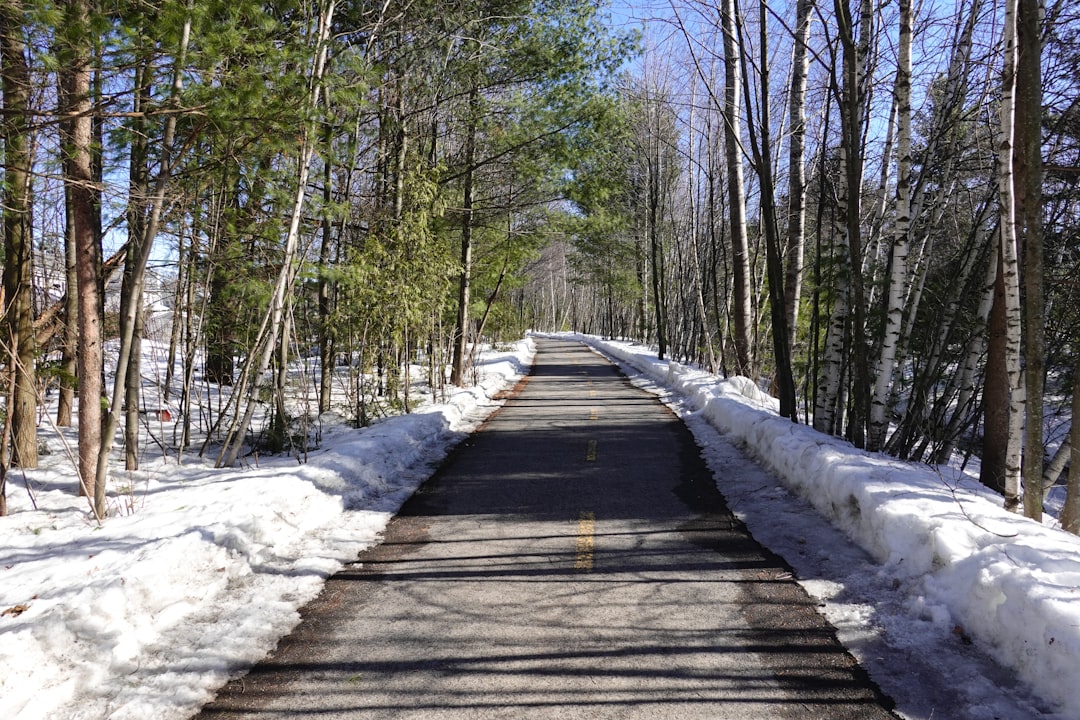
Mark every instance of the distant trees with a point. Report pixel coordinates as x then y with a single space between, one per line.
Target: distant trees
914 222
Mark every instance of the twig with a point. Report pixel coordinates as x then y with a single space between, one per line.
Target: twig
956 499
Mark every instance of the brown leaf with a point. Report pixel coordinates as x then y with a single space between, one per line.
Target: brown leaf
15 610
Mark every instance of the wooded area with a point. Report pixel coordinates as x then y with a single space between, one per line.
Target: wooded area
851 203
870 209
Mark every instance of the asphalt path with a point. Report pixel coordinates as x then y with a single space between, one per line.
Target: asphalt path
572 559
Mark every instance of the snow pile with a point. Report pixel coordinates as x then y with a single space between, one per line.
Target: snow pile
200 571
1009 583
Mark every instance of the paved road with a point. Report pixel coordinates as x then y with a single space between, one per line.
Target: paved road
573 559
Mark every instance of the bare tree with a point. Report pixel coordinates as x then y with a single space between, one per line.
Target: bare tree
898 257
852 108
741 282
761 148
1005 395
796 210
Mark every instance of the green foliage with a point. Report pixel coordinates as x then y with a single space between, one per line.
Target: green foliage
603 195
398 77
401 271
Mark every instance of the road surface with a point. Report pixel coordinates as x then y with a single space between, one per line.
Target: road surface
572 559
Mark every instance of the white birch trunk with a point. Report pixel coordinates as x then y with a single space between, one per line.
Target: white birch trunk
1057 465
1010 262
800 64
830 381
899 269
742 305
695 261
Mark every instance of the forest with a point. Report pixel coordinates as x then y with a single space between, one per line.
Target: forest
869 209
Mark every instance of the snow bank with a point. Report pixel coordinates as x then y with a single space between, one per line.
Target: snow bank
200 571
1009 583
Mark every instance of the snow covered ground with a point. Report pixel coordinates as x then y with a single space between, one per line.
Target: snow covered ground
199 571
940 578
202 570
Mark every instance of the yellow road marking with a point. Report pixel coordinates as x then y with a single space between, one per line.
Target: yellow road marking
594 414
590 451
586 530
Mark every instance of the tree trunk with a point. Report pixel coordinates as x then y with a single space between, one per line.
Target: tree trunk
183 272
898 257
785 384
993 470
65 401
653 220
131 293
695 260
1007 331
461 328
796 210
741 302
1057 465
1027 150
79 177
18 274
852 106
327 333
133 397
138 191
828 406
1070 513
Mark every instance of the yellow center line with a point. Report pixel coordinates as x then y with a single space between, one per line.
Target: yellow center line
586 532
590 451
594 414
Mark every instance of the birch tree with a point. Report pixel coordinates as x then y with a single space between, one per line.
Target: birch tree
852 107
1005 408
796 209
898 257
742 313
